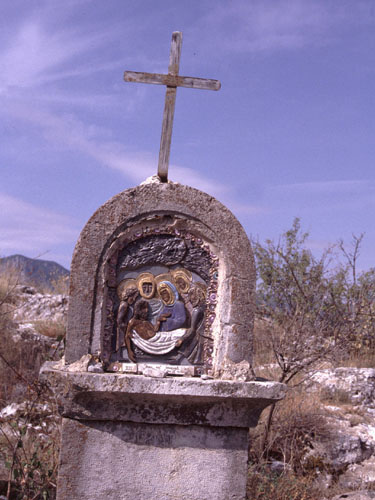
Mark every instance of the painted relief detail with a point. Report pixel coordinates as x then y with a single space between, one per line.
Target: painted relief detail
161 299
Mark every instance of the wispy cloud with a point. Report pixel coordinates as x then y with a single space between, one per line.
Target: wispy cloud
259 26
49 45
326 187
339 195
68 132
34 54
29 229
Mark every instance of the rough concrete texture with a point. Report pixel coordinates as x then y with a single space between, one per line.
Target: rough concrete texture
133 461
235 308
177 400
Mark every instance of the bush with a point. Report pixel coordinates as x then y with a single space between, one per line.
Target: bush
308 311
263 484
29 443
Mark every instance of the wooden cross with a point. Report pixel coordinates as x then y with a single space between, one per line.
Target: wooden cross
172 80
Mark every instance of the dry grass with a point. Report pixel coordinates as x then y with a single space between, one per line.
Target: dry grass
338 397
297 421
29 443
52 329
362 359
266 485
8 284
58 286
8 297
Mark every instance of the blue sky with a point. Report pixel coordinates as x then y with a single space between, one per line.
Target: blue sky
290 133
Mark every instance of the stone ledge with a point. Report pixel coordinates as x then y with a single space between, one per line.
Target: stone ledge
175 400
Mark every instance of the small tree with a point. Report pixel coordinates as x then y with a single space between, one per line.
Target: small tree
312 309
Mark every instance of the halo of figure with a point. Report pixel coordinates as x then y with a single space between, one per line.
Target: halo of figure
162 277
182 279
146 285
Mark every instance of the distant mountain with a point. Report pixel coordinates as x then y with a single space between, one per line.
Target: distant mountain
42 274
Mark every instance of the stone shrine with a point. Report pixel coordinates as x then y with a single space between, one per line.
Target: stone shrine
156 391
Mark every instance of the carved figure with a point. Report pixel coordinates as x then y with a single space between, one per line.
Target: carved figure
140 326
155 314
172 306
192 341
164 336
128 297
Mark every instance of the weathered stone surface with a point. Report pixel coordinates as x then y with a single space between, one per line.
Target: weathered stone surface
359 475
177 400
355 385
232 329
134 461
356 495
346 444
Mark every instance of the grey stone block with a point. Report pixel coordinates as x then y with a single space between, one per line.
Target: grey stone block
134 461
176 400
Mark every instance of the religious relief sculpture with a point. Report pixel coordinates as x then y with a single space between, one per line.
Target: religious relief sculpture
161 303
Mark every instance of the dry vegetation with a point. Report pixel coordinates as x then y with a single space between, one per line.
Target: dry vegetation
264 484
29 444
29 432
310 314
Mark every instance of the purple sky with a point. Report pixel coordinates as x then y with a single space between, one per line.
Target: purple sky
291 132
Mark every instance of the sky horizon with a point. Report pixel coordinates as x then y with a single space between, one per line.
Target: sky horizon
290 133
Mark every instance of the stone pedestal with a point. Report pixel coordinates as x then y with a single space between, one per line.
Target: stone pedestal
135 437
162 287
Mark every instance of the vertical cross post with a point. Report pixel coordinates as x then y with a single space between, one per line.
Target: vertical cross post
170 100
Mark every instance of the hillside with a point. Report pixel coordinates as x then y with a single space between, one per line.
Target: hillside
43 274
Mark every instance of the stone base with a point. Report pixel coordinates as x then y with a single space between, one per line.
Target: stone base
134 461
133 437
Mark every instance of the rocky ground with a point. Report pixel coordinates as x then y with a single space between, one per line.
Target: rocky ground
340 451
347 398
35 333
32 332
344 456
36 306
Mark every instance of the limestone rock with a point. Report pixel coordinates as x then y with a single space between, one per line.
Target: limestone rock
79 366
35 306
346 445
356 495
242 371
347 384
359 475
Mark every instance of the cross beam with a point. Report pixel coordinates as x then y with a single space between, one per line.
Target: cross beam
172 80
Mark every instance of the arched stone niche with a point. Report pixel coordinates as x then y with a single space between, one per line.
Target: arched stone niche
199 234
